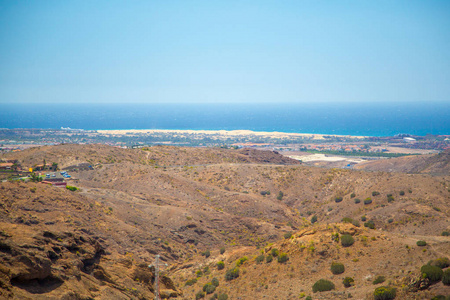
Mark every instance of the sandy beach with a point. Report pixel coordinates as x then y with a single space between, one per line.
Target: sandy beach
229 133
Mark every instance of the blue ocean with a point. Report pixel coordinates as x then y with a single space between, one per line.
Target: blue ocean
372 119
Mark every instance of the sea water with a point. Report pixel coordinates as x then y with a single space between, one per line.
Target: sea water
372 119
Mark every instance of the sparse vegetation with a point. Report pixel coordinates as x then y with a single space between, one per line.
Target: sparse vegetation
337 268
348 281
222 250
347 240
232 274
191 282
72 188
283 257
259 259
209 288
421 243
445 233
375 193
215 282
446 277
442 262
206 253
241 260
280 195
433 273
269 258
274 252
287 235
384 293
200 295
379 279
323 285
369 224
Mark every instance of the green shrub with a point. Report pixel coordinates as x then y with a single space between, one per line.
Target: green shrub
206 253
390 221
280 195
363 218
348 281
433 273
287 235
402 193
337 268
259 259
191 281
357 200
308 298
313 219
283 257
323 285
220 265
274 252
200 295
379 279
265 193
367 201
232 274
338 199
241 261
222 297
445 233
375 193
347 220
390 198
384 293
441 262
215 282
72 188
369 224
269 258
356 223
209 288
446 277
353 195
347 240
421 243
222 250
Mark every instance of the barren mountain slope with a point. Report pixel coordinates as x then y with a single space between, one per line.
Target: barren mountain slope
178 202
436 164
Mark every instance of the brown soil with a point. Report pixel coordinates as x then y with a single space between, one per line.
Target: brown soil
179 202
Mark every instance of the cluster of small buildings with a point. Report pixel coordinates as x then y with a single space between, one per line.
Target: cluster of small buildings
57 180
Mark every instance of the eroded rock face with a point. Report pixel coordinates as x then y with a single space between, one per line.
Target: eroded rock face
58 265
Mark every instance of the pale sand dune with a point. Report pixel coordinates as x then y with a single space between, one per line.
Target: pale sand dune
223 133
323 157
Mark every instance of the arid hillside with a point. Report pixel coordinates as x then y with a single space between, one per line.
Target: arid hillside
435 164
183 202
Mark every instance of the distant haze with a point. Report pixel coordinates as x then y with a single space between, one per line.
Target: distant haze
224 51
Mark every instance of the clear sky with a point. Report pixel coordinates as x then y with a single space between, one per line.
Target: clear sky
224 51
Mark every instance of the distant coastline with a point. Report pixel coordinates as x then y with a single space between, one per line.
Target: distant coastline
364 119
231 133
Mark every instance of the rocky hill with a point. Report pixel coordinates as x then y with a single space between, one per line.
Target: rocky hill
181 202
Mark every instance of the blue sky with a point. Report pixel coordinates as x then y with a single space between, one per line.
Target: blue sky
224 51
